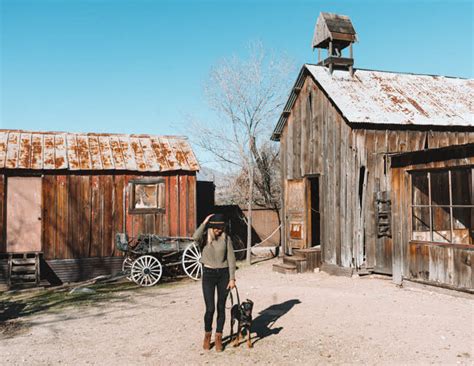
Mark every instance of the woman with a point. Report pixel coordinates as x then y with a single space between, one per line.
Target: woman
218 272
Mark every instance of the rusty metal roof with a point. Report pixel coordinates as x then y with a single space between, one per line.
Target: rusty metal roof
380 97
94 151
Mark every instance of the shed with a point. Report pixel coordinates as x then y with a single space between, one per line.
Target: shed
64 196
337 133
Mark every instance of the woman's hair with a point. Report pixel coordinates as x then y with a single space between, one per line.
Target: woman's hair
210 235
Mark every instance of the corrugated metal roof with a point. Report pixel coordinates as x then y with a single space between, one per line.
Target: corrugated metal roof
91 151
379 97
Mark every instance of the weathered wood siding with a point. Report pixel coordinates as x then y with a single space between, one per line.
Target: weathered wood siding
316 140
82 213
450 265
3 201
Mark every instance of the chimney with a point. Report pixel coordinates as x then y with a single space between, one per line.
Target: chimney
334 32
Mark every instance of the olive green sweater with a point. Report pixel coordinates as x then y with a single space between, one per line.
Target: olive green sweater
218 253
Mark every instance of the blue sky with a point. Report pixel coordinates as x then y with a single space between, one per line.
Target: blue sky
139 66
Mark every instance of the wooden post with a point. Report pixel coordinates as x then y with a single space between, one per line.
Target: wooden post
429 203
350 51
10 263
450 206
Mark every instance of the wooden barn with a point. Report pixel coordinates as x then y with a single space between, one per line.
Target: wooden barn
338 131
64 196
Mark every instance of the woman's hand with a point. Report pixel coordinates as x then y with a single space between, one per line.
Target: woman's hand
206 220
231 285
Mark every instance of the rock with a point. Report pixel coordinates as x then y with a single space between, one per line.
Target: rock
81 291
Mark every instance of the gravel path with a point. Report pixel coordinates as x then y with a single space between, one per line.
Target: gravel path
299 319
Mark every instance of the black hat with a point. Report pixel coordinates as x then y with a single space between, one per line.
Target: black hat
217 221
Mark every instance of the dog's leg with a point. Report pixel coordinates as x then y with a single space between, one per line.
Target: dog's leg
237 336
249 341
232 321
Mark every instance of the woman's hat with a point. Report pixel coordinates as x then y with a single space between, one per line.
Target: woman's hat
217 221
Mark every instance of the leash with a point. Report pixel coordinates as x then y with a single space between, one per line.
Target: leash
232 297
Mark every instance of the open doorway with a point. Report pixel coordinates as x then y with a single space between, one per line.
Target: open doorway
315 215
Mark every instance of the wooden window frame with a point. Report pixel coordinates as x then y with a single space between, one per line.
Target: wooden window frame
450 206
160 200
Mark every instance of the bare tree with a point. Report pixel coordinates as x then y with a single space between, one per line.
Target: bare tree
247 94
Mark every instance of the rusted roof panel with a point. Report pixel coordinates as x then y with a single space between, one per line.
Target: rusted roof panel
106 153
128 155
149 154
138 152
49 150
3 149
83 152
95 153
117 154
160 153
12 151
72 155
380 97
37 152
25 150
60 152
73 151
169 152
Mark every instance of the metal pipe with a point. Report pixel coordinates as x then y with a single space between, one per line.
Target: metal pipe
450 206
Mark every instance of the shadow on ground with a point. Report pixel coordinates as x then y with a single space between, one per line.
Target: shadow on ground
263 324
19 305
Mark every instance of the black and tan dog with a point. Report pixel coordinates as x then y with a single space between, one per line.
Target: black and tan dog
242 313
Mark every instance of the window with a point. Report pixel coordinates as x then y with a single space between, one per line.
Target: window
147 196
443 206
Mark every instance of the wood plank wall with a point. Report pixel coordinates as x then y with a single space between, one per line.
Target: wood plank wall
82 213
317 141
3 200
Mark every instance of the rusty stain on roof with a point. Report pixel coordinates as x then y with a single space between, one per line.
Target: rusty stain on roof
380 97
92 151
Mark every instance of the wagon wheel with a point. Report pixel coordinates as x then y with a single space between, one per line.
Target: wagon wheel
146 270
127 267
191 264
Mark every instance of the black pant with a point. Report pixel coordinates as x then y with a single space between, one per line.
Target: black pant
213 279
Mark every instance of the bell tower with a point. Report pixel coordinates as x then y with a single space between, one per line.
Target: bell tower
334 33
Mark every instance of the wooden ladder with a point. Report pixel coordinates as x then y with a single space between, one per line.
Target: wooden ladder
23 269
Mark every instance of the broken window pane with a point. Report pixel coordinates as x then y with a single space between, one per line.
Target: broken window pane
420 189
460 180
441 224
146 196
440 188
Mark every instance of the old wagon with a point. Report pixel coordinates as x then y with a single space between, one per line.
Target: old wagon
147 254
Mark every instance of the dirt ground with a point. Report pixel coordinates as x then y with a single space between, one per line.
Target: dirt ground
298 319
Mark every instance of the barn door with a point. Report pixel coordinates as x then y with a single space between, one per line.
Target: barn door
295 214
23 214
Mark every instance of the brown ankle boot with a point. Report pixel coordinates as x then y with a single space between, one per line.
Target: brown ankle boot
206 344
218 341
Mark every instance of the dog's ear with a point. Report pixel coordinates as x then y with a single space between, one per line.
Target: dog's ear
250 301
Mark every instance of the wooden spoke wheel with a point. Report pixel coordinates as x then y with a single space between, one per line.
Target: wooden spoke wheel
146 270
191 262
127 267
